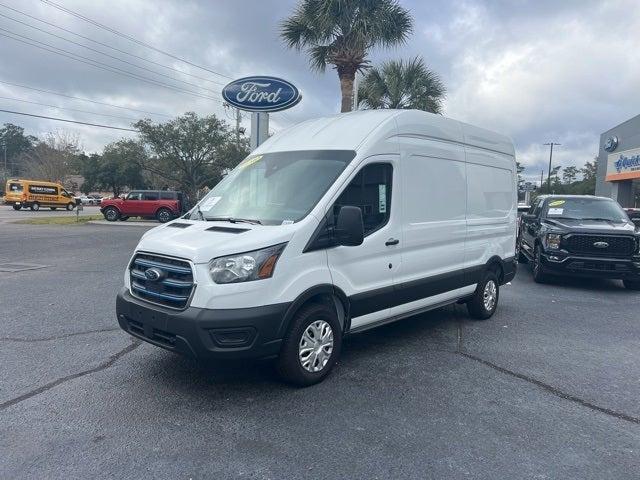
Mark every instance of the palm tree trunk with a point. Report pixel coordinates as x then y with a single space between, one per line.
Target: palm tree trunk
346 87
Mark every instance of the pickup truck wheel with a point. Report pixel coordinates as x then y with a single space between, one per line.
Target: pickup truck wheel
70 206
17 207
536 267
485 299
311 347
35 206
111 214
164 215
631 284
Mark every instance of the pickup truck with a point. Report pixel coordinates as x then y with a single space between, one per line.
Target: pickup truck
578 235
162 205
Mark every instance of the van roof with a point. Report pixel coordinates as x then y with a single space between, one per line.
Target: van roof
354 131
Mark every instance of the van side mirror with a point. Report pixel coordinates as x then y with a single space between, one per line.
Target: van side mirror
349 226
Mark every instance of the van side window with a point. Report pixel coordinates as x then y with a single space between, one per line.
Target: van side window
370 190
150 196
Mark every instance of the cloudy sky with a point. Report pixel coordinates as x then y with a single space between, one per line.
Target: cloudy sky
538 70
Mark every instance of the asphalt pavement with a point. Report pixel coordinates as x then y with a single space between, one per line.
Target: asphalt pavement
548 388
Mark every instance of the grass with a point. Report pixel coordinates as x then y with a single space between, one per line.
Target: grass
67 220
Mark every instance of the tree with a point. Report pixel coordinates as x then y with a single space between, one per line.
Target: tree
519 169
400 84
341 33
569 175
17 144
189 151
53 158
118 167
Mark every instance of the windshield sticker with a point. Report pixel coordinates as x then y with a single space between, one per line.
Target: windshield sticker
209 203
556 203
382 198
287 222
556 211
250 161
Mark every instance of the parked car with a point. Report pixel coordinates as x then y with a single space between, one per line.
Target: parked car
338 225
34 194
581 236
634 215
159 204
87 200
96 198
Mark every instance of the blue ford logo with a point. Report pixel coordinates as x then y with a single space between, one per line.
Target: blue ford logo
261 94
153 274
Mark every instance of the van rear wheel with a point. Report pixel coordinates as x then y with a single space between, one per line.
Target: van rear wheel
35 206
311 347
485 299
70 206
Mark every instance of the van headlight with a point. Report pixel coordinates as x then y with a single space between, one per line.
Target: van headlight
246 267
553 241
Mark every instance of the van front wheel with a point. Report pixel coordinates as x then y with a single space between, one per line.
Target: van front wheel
17 207
311 347
485 299
35 206
70 206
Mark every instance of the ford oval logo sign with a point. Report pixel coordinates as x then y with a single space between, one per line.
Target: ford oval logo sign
261 94
601 245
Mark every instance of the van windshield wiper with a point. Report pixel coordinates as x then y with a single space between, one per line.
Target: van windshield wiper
233 220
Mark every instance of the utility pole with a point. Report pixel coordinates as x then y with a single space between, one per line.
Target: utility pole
4 145
551 144
541 178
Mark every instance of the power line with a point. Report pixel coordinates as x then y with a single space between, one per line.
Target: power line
70 109
102 53
85 99
97 64
110 46
68 120
129 37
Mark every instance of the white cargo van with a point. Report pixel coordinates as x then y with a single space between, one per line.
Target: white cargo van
334 226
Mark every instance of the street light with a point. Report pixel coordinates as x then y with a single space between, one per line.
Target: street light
550 157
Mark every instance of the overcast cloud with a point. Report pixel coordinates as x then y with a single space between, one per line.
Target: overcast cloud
537 71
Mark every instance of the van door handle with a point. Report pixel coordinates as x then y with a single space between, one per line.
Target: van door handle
392 241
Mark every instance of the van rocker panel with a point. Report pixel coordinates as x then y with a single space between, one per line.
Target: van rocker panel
202 333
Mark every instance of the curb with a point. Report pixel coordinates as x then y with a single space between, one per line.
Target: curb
123 224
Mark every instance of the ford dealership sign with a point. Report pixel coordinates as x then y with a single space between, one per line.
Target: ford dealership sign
261 94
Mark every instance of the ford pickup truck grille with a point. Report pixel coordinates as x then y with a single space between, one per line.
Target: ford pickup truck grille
600 245
161 280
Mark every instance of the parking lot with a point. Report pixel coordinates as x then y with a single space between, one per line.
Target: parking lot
547 388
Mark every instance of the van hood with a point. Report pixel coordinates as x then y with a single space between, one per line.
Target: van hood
201 241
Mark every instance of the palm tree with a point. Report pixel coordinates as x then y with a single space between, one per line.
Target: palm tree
400 84
341 33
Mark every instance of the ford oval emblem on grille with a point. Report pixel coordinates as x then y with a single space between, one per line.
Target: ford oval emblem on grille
596 244
153 274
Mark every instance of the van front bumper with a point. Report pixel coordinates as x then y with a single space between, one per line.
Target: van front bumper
202 334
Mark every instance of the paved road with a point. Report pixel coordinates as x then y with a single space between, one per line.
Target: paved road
7 213
548 388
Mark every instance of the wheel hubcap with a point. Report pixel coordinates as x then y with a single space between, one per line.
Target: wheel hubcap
490 295
316 346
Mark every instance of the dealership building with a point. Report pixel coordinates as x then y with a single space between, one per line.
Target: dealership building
618 174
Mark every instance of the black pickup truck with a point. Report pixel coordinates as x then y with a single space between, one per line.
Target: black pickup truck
580 236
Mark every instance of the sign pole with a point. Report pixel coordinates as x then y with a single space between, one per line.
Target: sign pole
259 128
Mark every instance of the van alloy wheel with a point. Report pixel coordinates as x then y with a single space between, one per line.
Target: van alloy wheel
490 295
316 346
35 206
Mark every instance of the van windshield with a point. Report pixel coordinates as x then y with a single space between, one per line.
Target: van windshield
274 188
15 187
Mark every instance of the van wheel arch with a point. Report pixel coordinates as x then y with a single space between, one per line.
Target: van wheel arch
324 294
495 264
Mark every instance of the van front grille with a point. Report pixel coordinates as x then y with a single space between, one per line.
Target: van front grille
161 280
